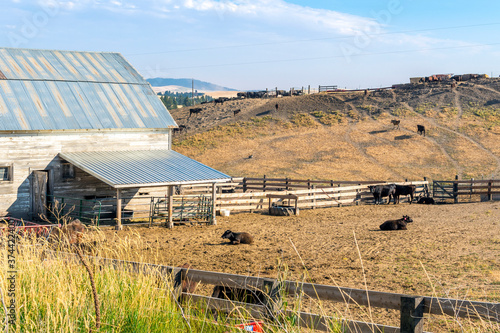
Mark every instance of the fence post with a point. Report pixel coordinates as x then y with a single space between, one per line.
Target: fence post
170 223
244 185
426 187
273 301
455 190
214 203
314 197
118 210
286 183
264 184
412 315
490 196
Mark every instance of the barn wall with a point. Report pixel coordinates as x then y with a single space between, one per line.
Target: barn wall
39 152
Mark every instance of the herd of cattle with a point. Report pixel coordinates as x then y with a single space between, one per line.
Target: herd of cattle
393 191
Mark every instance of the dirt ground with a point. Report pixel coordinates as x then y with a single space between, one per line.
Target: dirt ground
449 250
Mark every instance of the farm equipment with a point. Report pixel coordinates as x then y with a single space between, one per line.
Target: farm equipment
27 229
251 327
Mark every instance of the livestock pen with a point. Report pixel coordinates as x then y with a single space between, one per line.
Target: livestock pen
192 203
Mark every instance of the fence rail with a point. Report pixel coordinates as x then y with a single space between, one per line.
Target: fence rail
273 289
311 194
453 189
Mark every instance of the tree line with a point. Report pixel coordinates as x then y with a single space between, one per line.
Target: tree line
172 100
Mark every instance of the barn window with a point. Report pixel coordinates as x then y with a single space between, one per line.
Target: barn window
5 173
67 170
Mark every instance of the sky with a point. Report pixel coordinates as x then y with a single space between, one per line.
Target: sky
259 44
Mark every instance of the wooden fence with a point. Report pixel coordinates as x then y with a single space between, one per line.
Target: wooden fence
239 195
482 189
412 308
250 193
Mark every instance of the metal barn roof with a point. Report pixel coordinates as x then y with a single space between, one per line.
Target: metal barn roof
69 90
133 169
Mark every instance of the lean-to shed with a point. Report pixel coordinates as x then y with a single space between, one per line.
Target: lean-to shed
83 125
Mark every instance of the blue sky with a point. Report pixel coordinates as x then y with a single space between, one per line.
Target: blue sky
258 44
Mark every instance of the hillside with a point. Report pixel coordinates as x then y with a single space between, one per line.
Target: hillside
349 135
187 83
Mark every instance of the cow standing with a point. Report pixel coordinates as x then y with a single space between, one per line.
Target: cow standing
396 123
404 190
195 111
421 129
380 191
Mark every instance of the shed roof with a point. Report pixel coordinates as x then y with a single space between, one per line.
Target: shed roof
69 90
133 169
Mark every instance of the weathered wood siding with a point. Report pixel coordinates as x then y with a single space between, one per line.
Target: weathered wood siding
29 152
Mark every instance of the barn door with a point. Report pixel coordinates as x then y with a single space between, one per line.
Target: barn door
39 192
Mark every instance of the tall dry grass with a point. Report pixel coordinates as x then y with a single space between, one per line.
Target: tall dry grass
53 294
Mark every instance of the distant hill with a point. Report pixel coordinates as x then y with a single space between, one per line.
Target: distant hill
349 135
187 83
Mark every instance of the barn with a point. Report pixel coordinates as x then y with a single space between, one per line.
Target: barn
84 125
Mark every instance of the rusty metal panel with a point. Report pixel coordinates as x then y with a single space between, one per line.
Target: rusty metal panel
62 90
131 169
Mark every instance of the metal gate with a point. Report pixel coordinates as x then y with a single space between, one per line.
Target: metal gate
185 209
443 190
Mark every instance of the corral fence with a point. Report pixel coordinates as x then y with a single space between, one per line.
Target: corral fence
250 194
327 88
192 203
413 309
185 208
484 190
136 209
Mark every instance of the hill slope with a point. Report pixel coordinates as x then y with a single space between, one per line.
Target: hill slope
349 136
187 83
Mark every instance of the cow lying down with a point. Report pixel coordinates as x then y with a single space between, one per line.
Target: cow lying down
238 237
396 224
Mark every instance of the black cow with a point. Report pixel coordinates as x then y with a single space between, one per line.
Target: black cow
396 123
426 201
404 190
220 100
421 129
380 191
396 224
195 111
180 129
236 112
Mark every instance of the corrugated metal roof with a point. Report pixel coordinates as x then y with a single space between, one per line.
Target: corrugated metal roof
132 169
69 90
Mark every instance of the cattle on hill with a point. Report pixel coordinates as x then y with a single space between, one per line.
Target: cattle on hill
421 129
236 112
380 191
404 190
180 129
220 100
195 111
396 123
396 224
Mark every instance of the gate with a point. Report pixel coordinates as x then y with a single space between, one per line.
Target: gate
443 190
185 209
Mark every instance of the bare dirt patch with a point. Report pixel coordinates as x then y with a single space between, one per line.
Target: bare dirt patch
448 251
